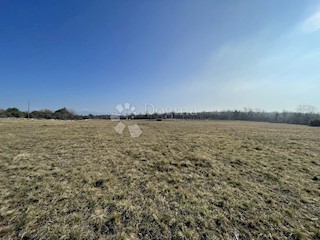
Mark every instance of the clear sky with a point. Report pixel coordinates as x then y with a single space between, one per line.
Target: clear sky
208 55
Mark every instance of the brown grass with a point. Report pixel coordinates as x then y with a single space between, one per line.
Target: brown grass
178 180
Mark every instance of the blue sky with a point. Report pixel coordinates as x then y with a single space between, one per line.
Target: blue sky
204 55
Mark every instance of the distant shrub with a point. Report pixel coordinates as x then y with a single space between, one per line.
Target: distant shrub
315 122
45 114
64 114
14 112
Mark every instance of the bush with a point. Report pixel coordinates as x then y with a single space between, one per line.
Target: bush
315 122
46 114
64 114
14 112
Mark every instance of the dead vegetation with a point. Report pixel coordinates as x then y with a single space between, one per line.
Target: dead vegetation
178 180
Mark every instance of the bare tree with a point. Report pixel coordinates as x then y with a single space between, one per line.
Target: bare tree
306 109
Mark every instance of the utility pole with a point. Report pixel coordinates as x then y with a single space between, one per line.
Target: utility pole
28 109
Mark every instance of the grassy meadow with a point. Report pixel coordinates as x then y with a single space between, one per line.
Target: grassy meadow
178 180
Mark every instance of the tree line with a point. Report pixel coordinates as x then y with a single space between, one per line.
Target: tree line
312 119
60 114
300 117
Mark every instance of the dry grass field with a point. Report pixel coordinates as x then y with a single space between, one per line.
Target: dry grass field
178 180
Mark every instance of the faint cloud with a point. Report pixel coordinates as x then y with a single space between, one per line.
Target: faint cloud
259 71
312 23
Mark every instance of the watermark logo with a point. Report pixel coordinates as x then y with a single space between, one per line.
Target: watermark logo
152 109
126 111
